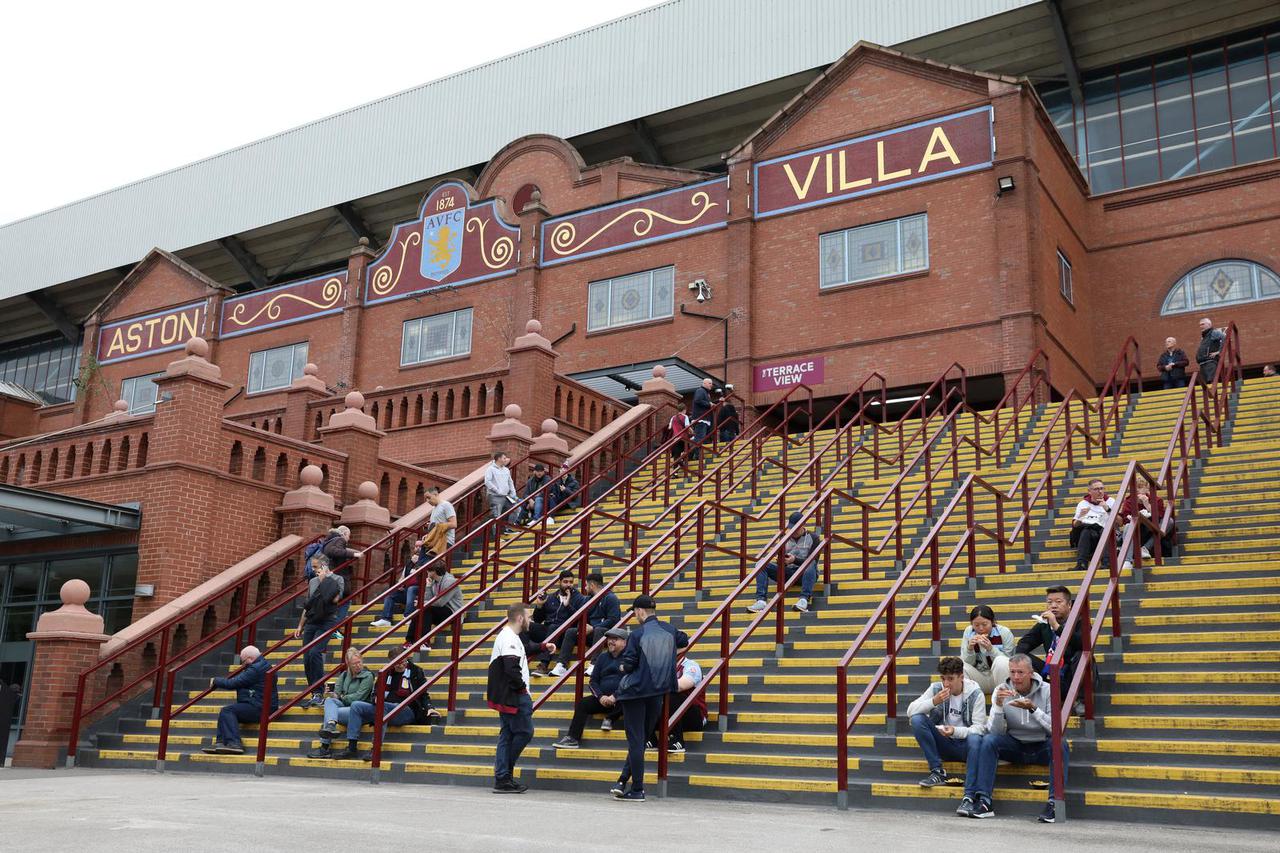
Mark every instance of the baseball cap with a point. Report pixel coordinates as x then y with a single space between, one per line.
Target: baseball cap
645 602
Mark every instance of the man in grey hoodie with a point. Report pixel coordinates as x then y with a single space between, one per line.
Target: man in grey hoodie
948 721
1019 731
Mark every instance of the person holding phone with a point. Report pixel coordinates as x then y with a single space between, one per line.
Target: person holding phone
985 649
947 720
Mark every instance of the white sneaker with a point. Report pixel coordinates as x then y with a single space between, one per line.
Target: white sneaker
1128 564
559 670
381 623
551 522
803 605
758 606
1146 555
590 669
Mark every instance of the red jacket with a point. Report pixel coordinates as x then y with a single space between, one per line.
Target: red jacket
1131 507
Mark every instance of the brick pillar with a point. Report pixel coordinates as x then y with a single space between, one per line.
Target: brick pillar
307 511
528 303
357 264
531 378
306 389
88 357
182 521
356 434
67 643
658 390
549 446
369 522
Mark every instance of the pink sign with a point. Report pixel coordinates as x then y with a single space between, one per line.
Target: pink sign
784 374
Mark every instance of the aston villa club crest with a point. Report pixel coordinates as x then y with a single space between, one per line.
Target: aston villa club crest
442 235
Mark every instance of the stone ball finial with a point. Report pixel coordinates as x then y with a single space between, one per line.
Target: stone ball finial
363 241
535 197
550 426
533 327
378 388
74 592
311 369
512 411
659 372
355 400
368 491
198 347
311 476
121 406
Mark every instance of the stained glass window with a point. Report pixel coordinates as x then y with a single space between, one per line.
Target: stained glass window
1226 282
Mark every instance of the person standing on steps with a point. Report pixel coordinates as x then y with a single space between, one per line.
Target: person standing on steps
1018 731
985 649
248 684
648 673
798 549
508 694
319 616
1209 351
700 414
1172 365
604 614
728 418
342 559
948 720
498 485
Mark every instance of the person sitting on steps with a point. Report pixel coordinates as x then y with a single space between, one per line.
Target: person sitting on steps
798 547
606 673
551 611
1046 633
985 649
604 614
947 720
354 685
249 684
400 681
1089 522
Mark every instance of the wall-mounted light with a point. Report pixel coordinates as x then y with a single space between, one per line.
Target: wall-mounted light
1004 184
144 590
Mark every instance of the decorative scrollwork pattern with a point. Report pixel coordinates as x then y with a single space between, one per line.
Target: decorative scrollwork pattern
329 295
564 234
495 256
383 280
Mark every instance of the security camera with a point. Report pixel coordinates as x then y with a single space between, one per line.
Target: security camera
703 290
702 297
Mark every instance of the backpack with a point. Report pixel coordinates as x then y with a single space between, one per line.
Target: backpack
311 550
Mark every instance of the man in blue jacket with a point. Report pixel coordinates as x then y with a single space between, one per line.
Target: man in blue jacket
648 673
604 614
248 684
605 677
552 611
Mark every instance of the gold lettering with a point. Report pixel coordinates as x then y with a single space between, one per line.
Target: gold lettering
880 172
134 336
829 174
117 343
188 321
168 329
846 184
151 331
801 191
947 152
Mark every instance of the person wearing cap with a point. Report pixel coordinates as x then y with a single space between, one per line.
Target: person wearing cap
604 614
799 546
605 677
727 419
648 667
535 496
563 491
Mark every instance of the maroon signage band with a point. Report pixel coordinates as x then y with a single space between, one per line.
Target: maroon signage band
280 306
452 242
780 375
151 333
636 221
924 151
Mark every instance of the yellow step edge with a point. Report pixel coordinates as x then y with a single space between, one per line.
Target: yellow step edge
816 786
1183 802
1227 775
1258 749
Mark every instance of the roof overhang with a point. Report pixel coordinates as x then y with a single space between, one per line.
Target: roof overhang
30 514
622 382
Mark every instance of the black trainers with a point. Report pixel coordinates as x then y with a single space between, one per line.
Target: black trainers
935 778
322 752
1047 814
509 786
618 789
675 746
982 809
630 797
329 731
965 809
348 754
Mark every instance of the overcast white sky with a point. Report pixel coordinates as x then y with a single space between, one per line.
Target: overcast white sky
96 95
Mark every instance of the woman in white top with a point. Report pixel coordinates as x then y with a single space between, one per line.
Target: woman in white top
985 649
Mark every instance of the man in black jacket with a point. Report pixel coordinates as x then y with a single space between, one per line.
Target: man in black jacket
248 684
342 562
319 616
605 677
1209 350
551 611
1046 634
727 420
648 673
604 614
535 496
699 415
1172 364
564 492
396 685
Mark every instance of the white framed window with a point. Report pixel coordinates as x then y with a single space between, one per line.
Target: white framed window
1064 279
1227 282
140 392
272 369
878 250
630 299
436 337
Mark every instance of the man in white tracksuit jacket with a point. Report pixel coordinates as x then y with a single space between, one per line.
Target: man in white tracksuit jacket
948 721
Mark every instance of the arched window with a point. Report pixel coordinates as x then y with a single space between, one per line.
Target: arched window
1226 282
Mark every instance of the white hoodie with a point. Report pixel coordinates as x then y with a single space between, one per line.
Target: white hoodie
973 701
1027 726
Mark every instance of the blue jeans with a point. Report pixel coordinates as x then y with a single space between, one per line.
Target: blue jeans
230 718
996 748
770 573
514 734
406 594
364 712
937 747
336 712
313 658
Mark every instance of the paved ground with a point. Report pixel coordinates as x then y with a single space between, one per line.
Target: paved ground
86 810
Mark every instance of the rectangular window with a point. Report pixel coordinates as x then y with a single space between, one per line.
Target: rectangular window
629 299
436 337
140 393
878 250
1064 278
272 369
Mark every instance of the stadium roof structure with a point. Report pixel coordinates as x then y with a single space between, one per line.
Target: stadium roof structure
678 84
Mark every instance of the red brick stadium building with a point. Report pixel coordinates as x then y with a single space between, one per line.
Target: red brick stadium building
894 210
